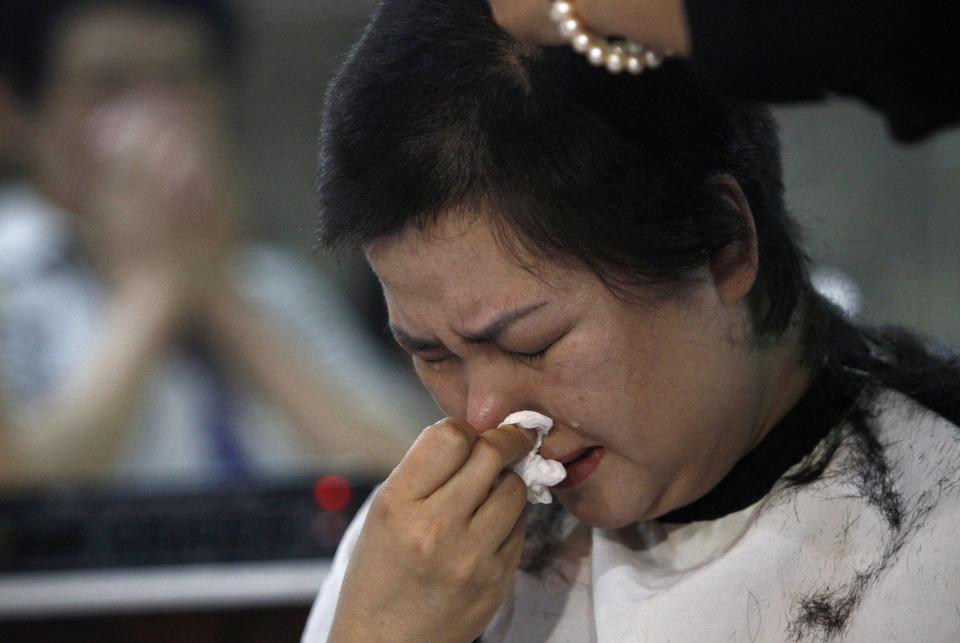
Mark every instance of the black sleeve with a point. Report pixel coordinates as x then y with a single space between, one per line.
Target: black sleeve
900 56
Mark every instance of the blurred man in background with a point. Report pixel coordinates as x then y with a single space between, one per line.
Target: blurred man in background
139 333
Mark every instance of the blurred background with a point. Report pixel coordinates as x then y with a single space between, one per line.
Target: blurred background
150 542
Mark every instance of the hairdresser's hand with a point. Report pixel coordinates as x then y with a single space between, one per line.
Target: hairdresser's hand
441 543
659 24
160 209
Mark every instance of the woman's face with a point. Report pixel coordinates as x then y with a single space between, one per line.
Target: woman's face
652 403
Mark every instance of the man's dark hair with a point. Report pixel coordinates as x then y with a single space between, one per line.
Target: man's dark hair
437 109
29 32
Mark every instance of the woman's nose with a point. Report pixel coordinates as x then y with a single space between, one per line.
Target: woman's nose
484 412
491 396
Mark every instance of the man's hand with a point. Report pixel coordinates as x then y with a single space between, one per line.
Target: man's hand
161 210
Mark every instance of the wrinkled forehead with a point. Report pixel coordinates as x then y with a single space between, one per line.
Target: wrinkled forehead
458 262
450 248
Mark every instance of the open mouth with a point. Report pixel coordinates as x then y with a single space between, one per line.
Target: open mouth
581 465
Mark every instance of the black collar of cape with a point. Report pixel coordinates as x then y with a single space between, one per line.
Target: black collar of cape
832 395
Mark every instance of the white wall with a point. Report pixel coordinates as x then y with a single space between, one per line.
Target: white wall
884 213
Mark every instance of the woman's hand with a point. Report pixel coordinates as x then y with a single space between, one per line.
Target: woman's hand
658 24
442 541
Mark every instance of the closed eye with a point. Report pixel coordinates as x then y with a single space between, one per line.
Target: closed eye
534 356
434 357
530 357
433 360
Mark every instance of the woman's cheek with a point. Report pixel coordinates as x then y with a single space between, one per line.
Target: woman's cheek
581 365
444 385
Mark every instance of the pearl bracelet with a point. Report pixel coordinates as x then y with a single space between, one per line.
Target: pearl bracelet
616 55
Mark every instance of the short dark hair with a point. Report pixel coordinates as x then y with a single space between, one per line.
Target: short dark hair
437 108
28 31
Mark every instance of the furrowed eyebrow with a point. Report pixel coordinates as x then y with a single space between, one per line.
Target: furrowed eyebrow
489 333
492 331
414 344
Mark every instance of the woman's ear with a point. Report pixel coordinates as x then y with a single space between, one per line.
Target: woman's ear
734 268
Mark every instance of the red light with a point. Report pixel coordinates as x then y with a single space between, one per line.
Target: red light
332 493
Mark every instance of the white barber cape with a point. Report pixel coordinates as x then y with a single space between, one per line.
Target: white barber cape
867 552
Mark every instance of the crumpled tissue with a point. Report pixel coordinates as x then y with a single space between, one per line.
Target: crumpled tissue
537 472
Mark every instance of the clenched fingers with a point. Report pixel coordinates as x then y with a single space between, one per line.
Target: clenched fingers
496 518
511 550
439 453
493 452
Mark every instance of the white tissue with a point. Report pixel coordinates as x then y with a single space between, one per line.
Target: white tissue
537 472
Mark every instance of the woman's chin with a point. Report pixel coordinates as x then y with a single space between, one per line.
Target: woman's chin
598 513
